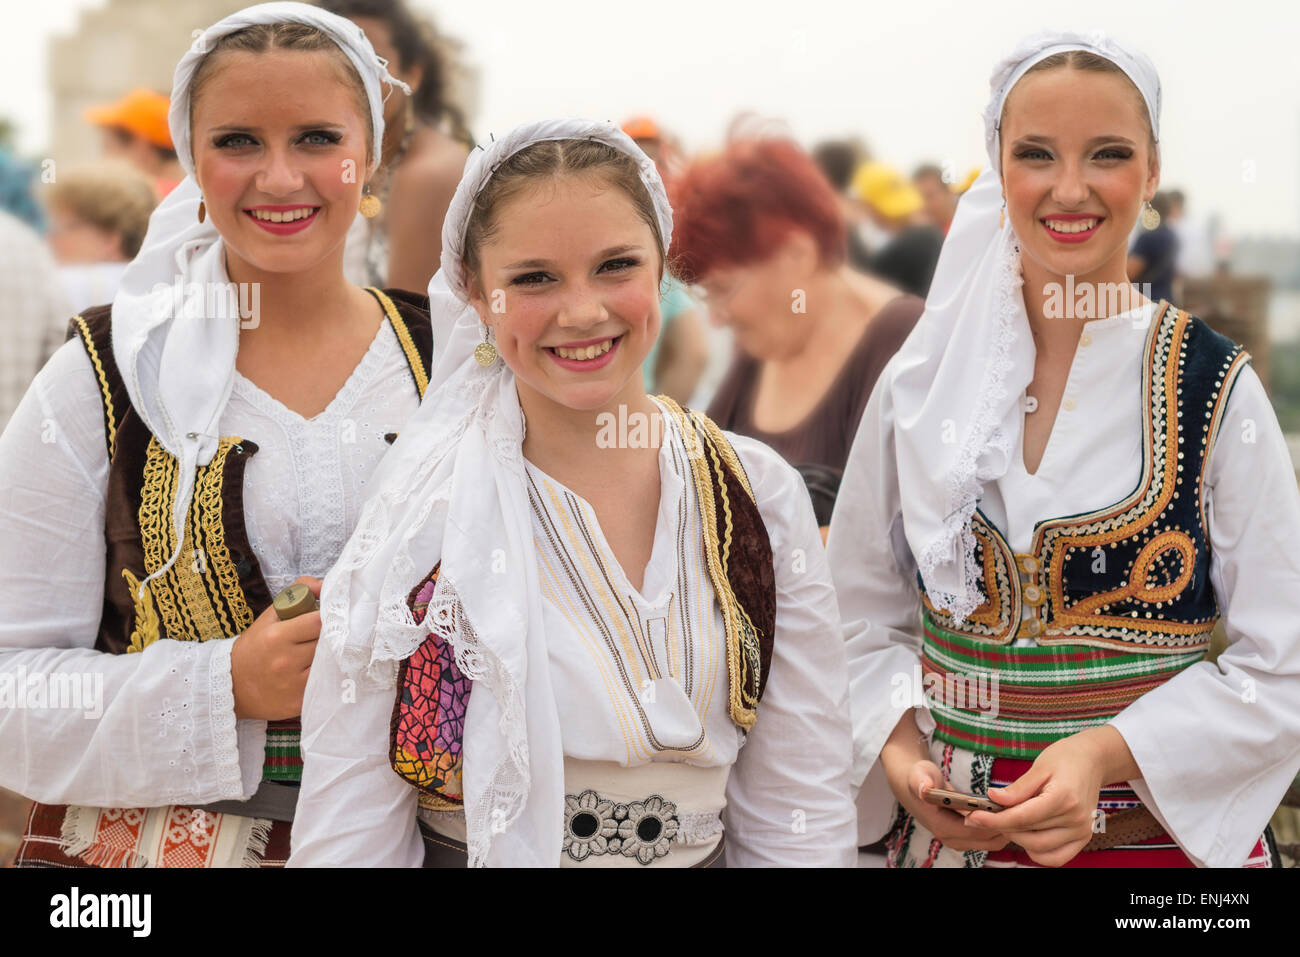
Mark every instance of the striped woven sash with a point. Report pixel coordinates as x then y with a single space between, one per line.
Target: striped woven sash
1015 701
283 760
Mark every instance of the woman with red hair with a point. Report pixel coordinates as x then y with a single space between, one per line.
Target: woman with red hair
760 234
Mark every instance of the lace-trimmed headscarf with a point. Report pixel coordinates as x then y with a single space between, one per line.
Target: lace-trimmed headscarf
956 384
175 350
452 493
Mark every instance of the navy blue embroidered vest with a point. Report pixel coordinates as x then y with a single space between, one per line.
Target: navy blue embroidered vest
1135 575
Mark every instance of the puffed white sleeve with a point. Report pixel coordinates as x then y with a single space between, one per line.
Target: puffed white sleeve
353 808
79 726
1218 744
788 796
880 607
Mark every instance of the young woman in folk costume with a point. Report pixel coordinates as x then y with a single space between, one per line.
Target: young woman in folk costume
180 461
1049 504
570 604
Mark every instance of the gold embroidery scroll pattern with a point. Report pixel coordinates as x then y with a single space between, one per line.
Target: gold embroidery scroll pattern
157 492
1160 489
167 593
993 619
190 595
998 578
219 564
188 574
987 613
1138 585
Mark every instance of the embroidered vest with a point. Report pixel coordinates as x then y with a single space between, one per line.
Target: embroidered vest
1119 599
428 721
216 588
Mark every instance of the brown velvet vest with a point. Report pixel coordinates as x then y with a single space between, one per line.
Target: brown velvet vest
216 587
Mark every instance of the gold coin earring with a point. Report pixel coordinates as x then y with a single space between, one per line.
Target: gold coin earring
370 204
1150 217
203 210
485 353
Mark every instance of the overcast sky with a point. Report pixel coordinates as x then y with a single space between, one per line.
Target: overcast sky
910 77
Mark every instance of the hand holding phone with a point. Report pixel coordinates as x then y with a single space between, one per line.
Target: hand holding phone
959 801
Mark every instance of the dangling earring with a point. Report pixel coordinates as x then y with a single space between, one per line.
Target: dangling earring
370 204
203 211
1002 216
1150 217
485 353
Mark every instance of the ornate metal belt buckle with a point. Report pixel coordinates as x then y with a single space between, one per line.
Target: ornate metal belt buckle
594 825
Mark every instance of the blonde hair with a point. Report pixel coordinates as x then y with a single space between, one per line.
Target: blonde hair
262 37
110 195
547 160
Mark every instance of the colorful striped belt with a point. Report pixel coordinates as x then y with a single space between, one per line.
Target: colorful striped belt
283 761
1013 701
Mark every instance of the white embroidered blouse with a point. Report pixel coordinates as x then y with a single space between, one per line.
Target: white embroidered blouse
659 653
640 678
1218 743
161 727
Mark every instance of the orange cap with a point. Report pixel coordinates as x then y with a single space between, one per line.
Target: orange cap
642 128
142 112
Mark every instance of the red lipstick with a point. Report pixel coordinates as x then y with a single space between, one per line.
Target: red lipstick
1078 237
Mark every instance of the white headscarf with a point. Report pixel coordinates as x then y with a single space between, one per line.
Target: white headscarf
176 351
958 380
452 490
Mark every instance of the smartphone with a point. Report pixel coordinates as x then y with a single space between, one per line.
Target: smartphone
957 801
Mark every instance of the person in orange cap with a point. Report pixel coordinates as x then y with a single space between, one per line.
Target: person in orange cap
135 129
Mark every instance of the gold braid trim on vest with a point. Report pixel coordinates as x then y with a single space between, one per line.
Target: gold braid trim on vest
744 662
110 415
403 337
199 597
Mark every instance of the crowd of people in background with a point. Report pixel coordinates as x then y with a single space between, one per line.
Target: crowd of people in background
873 233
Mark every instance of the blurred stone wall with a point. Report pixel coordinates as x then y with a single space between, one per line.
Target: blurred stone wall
136 43
116 48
